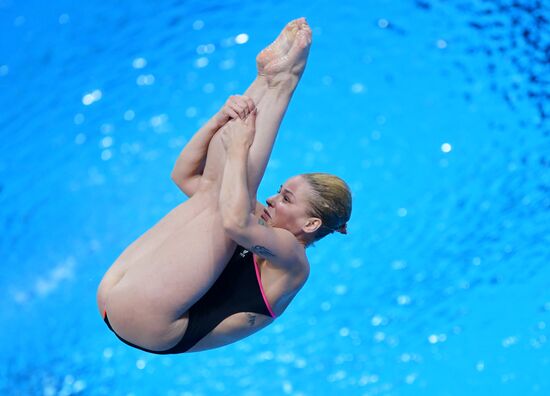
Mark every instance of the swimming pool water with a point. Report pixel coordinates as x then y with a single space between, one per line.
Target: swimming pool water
435 112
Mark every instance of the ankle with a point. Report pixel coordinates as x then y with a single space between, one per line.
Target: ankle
257 89
261 80
282 80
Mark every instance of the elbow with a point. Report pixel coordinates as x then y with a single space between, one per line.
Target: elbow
174 176
178 181
230 224
179 178
233 225
179 173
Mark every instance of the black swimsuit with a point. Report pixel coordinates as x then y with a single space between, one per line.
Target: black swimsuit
238 289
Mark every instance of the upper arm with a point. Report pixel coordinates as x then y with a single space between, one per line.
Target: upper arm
279 246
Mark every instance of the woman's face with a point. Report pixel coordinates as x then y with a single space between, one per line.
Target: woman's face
288 208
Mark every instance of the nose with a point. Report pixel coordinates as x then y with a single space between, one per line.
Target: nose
271 201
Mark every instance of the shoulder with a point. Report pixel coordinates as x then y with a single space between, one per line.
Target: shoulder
277 245
283 284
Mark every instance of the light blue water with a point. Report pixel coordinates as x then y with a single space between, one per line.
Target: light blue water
435 112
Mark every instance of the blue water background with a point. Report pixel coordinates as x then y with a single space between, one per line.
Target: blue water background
435 112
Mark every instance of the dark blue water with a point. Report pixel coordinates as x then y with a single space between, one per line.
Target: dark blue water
435 112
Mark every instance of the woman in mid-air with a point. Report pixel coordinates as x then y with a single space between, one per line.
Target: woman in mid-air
221 266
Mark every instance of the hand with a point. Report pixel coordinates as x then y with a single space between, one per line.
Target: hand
239 134
236 107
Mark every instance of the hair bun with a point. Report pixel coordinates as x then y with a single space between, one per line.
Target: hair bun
343 228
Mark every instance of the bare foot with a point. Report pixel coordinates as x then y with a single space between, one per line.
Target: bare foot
288 53
279 47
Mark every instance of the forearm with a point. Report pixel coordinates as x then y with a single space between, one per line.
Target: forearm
192 158
234 200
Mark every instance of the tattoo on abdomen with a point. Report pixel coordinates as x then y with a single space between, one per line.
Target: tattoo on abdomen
251 319
262 251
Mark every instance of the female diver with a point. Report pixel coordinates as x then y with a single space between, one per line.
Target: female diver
221 266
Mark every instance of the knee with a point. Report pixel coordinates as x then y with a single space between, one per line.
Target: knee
101 301
209 190
105 286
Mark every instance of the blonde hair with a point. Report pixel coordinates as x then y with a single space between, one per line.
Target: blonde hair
330 202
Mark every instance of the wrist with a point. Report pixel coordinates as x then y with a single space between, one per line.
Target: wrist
218 121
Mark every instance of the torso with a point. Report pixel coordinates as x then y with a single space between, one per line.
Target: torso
280 288
148 305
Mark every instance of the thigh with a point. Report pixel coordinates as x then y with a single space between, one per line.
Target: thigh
170 273
146 243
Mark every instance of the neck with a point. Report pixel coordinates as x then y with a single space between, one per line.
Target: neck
302 240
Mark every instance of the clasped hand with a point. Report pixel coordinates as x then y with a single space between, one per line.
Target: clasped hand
238 117
236 106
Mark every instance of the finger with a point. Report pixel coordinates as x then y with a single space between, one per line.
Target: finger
230 100
232 113
243 105
251 119
251 105
237 108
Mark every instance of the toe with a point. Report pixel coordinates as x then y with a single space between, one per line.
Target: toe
302 41
292 24
296 23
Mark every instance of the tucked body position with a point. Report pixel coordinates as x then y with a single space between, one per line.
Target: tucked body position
221 265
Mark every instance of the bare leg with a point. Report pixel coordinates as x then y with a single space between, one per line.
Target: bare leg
213 168
170 266
280 67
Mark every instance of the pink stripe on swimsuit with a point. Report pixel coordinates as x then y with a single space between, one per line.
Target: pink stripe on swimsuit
268 306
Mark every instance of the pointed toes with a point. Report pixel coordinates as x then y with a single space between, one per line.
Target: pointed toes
303 37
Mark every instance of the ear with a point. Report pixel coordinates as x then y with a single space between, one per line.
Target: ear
312 225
